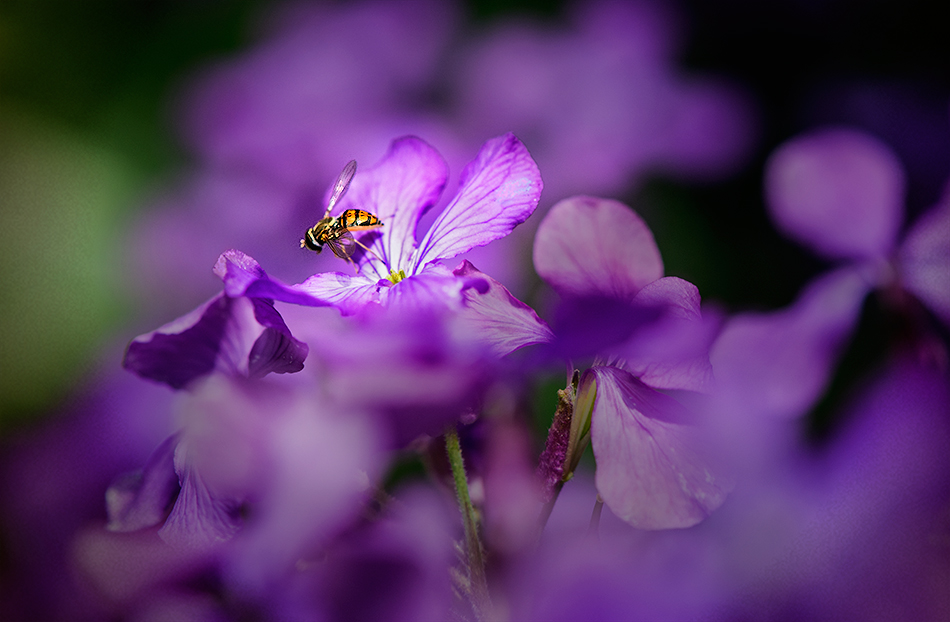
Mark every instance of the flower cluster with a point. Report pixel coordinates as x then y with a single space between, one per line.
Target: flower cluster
389 433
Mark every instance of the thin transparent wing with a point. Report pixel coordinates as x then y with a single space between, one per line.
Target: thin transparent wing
342 183
343 246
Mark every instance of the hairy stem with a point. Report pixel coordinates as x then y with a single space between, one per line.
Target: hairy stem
481 602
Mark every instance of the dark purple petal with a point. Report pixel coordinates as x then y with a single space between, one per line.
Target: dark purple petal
184 349
650 469
838 191
925 260
142 499
673 352
495 317
499 189
200 518
238 336
405 184
778 364
275 350
587 246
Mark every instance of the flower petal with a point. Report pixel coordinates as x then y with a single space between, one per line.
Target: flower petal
243 276
925 260
350 294
200 519
403 186
499 189
495 317
587 246
237 336
778 364
184 349
673 352
142 499
838 191
650 471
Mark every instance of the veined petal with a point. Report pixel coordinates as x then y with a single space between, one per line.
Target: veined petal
348 293
499 189
405 184
925 260
495 317
200 518
587 246
838 191
433 288
650 470
778 364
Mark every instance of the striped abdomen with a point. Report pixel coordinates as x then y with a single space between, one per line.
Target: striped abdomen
357 219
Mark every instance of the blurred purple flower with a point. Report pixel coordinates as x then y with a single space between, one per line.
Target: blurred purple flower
601 103
791 546
840 192
651 471
238 332
297 472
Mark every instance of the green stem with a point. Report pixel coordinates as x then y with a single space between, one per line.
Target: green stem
481 602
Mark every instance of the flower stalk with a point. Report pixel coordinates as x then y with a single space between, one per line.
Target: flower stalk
475 557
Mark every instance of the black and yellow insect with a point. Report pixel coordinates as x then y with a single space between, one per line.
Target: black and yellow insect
337 231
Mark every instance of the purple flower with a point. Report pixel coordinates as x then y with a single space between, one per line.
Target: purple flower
651 470
497 192
238 332
840 192
601 102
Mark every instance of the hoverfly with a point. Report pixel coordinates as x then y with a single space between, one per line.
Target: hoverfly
336 231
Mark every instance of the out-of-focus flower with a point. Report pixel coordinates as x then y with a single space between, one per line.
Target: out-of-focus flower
840 192
238 333
601 104
651 471
266 468
791 546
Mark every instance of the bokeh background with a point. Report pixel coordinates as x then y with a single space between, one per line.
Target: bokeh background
90 134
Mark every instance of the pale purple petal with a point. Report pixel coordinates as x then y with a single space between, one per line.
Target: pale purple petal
778 364
838 191
200 519
925 260
405 184
320 469
673 352
588 246
650 469
142 499
435 287
350 294
497 192
495 317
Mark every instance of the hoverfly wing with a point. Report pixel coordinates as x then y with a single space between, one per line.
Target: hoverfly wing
341 185
342 245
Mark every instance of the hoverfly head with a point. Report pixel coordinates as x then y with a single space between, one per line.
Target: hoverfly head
312 241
